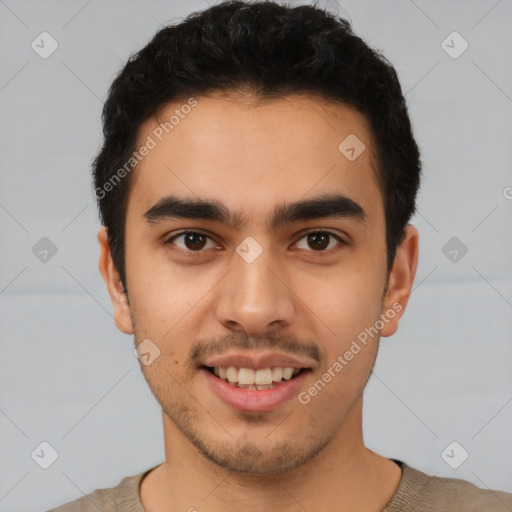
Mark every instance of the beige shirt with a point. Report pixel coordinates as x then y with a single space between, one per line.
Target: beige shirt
416 492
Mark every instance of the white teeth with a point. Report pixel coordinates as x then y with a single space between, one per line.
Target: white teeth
246 376
287 373
261 379
277 374
232 374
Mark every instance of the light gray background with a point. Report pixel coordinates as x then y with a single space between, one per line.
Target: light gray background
69 378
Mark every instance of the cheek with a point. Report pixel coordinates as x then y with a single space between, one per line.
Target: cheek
169 310
346 309
162 293
337 386
344 300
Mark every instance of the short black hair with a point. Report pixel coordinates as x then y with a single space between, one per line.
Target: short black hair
272 51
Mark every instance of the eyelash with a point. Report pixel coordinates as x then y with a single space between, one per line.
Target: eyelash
317 231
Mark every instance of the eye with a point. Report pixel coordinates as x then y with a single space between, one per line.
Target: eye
196 242
191 241
320 241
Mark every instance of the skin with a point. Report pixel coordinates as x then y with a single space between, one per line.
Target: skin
252 158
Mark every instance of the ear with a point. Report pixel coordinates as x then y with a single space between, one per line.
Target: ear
400 281
122 317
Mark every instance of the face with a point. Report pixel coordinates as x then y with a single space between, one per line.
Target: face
253 241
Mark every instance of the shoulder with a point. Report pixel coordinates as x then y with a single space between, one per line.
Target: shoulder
124 496
420 491
100 499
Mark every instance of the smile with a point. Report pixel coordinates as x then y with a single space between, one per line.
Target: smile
250 390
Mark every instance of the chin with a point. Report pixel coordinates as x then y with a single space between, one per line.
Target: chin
247 458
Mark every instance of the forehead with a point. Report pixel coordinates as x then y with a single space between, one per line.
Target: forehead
252 156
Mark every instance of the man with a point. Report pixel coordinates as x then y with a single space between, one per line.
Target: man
255 185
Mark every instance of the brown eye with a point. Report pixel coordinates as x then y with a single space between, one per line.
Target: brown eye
319 241
194 241
191 241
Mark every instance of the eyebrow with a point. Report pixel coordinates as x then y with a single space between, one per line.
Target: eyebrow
331 205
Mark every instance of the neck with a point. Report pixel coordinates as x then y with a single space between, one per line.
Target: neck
344 476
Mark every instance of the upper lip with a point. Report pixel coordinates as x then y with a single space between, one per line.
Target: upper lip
255 361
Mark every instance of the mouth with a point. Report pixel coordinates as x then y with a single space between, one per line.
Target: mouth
255 379
254 390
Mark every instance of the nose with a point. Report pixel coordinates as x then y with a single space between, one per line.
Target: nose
255 297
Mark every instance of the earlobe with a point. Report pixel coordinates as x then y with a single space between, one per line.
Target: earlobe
400 281
122 316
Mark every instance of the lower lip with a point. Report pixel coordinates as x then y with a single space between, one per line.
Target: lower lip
253 400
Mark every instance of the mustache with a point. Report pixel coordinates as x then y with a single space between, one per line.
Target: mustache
242 341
